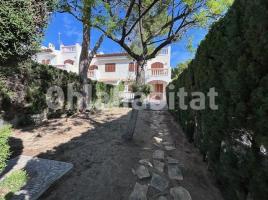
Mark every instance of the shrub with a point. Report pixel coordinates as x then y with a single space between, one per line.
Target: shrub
5 132
233 59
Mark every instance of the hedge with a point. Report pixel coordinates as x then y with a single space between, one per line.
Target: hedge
23 88
233 58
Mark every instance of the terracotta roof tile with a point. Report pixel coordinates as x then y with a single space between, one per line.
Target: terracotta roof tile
111 55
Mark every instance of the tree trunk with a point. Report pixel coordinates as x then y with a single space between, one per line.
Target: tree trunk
128 135
84 61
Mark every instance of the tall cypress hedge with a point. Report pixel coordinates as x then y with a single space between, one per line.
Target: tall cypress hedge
233 58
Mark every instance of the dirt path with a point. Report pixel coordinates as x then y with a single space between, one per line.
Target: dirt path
103 163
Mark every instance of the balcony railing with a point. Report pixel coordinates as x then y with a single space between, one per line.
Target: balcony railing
158 72
91 73
127 95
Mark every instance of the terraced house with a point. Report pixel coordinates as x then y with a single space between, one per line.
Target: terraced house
113 68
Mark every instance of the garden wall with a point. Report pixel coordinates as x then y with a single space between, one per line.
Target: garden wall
233 58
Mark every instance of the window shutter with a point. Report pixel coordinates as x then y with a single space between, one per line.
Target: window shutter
110 67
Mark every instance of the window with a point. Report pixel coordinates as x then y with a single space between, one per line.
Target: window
110 67
45 62
71 62
131 67
164 51
157 65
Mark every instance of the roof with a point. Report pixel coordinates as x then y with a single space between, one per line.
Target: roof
46 50
111 55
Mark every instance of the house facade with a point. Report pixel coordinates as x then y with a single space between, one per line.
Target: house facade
113 68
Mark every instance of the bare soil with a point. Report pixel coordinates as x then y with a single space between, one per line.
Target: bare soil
103 163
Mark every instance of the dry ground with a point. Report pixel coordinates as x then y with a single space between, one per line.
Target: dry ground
103 163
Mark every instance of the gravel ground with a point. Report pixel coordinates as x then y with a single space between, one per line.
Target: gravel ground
103 163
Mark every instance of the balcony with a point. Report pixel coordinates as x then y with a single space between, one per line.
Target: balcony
161 74
158 72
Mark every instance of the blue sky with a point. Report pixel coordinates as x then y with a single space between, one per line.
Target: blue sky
71 33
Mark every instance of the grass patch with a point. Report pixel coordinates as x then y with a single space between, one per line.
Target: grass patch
12 183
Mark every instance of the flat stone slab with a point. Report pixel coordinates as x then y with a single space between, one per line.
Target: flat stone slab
142 172
158 165
158 140
42 174
174 172
159 155
159 182
162 198
146 162
139 192
170 148
167 143
172 161
180 193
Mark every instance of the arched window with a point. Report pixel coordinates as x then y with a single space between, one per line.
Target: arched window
93 67
71 62
157 65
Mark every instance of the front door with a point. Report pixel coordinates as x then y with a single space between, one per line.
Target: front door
158 92
158 88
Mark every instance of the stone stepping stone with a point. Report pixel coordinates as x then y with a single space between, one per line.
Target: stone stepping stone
139 192
172 161
162 198
180 193
146 162
167 143
142 172
158 165
174 172
159 155
43 174
170 148
159 183
163 134
158 140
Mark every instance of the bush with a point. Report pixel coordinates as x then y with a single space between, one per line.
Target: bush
233 59
5 132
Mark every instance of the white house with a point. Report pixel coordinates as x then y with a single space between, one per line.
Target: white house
113 68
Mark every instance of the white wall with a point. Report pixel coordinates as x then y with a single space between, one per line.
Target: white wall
58 57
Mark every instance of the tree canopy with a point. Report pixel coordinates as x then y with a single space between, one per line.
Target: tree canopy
21 26
143 28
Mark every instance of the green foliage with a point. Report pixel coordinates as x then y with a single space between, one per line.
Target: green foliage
21 27
121 86
179 69
5 132
233 59
13 183
26 86
144 88
142 28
